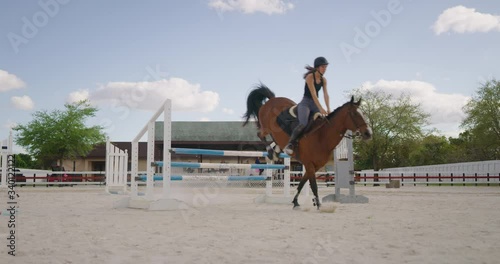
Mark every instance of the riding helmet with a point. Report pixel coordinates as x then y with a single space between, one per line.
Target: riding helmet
320 61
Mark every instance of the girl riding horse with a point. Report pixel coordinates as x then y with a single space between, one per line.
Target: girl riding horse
310 102
315 148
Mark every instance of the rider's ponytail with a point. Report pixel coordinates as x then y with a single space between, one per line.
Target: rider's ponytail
309 70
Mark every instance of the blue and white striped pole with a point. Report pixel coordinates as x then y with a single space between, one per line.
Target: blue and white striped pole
228 153
195 165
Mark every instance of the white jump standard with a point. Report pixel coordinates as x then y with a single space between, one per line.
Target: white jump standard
149 200
344 174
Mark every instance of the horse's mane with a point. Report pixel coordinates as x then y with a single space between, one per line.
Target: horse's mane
320 122
332 114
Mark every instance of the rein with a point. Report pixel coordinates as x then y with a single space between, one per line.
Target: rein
326 121
351 136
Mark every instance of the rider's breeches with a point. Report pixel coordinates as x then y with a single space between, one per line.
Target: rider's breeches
304 109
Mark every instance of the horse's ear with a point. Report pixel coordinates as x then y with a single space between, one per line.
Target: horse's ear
358 103
352 99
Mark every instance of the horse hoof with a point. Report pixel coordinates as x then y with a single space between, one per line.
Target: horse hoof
270 155
316 202
296 207
288 150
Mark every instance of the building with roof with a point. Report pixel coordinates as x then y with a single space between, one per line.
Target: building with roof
228 135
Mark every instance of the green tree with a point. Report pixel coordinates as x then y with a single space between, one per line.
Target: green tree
482 122
430 150
25 161
463 148
57 135
396 123
399 154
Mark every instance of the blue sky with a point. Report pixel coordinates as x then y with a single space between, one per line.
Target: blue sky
127 57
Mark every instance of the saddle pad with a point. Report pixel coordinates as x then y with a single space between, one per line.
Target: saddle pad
287 120
293 112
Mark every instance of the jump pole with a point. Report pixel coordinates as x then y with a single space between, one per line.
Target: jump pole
268 197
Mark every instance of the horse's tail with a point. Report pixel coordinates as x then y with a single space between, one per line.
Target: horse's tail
255 100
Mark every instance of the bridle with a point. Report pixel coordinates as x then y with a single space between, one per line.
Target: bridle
357 133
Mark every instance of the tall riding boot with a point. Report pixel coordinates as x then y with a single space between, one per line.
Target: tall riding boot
293 139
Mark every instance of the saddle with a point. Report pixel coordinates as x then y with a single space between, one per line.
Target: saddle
288 121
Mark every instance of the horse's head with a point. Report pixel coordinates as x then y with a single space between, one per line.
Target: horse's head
355 120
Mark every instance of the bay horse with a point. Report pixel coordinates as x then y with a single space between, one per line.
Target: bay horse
316 145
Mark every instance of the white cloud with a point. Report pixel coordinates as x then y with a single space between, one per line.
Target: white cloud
150 95
22 102
251 6
78 96
228 111
461 19
9 81
444 108
205 119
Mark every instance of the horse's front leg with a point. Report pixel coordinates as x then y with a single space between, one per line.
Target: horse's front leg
314 185
295 202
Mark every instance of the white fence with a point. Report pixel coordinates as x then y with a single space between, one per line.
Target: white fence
483 167
116 168
465 173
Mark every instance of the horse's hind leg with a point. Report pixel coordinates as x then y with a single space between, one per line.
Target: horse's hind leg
314 188
269 146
